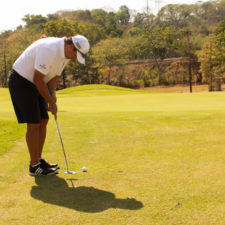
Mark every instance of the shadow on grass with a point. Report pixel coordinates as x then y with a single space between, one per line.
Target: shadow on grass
55 190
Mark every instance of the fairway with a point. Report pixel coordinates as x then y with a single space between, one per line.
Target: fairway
152 159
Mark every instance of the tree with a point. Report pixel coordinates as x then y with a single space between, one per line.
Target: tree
5 34
123 15
220 32
156 46
82 15
143 20
137 47
4 66
93 32
108 21
111 25
176 16
35 21
108 53
99 16
53 17
60 28
200 15
212 58
11 47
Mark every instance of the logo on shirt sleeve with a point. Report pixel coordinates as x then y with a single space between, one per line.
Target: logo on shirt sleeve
43 66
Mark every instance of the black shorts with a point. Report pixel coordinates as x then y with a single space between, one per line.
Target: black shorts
29 105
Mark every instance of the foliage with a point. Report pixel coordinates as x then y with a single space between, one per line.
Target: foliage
143 20
212 58
178 30
220 32
35 21
110 52
82 15
60 28
149 76
175 16
5 34
207 15
11 48
93 32
123 16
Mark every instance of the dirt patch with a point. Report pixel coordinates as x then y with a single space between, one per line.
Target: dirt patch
179 88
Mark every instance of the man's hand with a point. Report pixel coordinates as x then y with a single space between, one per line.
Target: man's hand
44 91
53 109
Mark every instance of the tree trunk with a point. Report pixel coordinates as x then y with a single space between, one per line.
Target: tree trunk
64 78
190 75
109 76
158 67
4 81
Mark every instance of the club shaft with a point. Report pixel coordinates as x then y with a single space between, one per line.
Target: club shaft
62 145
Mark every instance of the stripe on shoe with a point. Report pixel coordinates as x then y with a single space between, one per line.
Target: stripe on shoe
38 171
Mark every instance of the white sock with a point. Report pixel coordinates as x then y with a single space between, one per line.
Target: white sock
35 164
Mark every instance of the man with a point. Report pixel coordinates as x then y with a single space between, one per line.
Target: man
32 85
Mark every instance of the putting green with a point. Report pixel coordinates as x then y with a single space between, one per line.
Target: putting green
151 159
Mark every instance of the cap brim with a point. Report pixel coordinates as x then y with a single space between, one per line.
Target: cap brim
80 58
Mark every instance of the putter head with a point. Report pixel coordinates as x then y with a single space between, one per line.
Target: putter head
70 172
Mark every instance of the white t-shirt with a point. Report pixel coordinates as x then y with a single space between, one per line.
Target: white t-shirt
45 55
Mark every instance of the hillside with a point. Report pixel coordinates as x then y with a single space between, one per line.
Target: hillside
96 90
117 38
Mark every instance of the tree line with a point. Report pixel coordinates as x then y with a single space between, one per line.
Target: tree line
195 32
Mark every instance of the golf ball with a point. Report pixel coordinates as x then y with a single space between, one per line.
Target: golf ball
84 169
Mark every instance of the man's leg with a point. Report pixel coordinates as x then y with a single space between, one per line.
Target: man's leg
33 143
32 138
42 135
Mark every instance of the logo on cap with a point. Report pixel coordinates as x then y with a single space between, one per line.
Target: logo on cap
78 45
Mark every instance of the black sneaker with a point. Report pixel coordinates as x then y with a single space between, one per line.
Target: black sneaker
49 165
39 170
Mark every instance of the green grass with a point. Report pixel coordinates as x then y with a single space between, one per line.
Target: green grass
151 159
10 131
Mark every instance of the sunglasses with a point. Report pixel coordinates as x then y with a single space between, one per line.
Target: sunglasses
82 54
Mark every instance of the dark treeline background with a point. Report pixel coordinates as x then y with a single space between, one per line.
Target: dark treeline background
181 44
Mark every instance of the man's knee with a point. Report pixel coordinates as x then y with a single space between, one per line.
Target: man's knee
44 122
33 127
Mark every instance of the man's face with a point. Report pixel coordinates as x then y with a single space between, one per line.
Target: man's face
70 52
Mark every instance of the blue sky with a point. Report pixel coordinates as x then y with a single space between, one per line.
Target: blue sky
12 11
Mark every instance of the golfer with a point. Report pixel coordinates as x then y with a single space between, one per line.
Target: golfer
32 85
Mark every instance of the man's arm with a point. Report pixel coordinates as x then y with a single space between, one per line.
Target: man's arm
43 90
52 85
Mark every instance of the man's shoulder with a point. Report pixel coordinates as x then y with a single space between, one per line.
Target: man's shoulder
51 45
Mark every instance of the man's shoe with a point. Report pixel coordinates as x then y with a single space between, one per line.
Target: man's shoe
39 170
49 165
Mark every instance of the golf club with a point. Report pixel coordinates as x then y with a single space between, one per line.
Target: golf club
67 172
